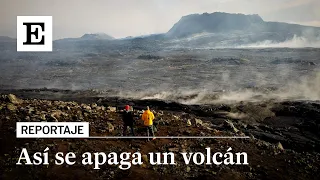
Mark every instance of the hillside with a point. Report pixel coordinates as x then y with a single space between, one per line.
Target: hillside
275 145
205 30
97 36
219 22
6 39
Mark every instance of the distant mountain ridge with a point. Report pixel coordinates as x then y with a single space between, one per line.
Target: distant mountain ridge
6 39
220 22
215 22
97 36
223 26
89 36
212 30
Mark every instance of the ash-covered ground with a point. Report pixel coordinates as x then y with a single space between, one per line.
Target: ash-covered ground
270 95
189 76
284 136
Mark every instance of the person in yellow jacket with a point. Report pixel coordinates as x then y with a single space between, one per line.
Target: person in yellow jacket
148 118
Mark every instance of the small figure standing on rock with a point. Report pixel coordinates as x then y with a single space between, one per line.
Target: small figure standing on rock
127 117
148 118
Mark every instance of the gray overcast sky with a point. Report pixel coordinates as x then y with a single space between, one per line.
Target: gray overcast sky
122 18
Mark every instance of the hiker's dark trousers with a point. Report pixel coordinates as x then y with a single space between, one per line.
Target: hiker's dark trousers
125 126
150 130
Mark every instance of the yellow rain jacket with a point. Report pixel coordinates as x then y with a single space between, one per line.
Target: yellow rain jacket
148 118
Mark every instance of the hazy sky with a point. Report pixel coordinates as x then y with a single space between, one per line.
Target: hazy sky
122 18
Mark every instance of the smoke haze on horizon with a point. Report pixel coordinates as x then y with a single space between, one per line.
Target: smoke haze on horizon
124 18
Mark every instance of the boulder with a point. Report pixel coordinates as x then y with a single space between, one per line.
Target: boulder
189 123
11 107
85 107
173 149
94 105
43 117
175 117
13 99
56 114
145 158
112 109
27 118
279 146
198 122
230 125
110 127
31 109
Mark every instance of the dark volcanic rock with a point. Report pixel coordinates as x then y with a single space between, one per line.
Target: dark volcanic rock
273 148
149 56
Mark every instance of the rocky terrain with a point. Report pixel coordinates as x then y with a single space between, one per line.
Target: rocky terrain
204 77
284 136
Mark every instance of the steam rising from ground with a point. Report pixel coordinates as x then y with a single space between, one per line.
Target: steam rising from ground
207 41
308 38
190 76
306 88
295 42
